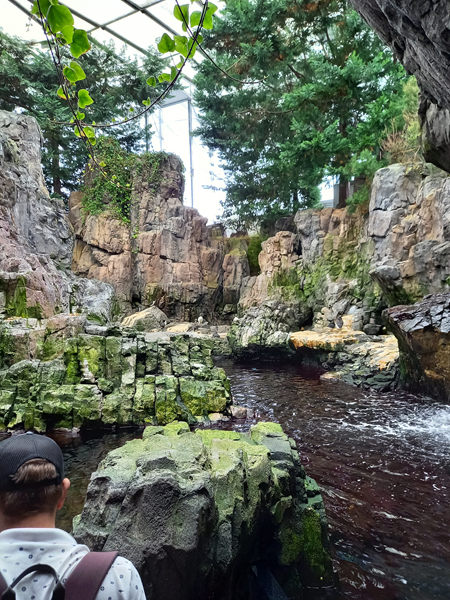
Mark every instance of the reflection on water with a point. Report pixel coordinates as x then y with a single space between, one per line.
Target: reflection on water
382 461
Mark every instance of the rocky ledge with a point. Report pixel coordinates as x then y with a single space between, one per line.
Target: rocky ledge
201 514
64 372
423 333
352 356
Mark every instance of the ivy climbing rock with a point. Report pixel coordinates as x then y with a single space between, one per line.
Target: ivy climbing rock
195 512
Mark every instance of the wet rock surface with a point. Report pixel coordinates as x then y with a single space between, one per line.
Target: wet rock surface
199 513
423 332
65 372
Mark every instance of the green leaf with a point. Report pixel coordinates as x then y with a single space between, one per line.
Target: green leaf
59 17
166 44
181 44
151 81
68 33
208 21
80 116
77 131
89 131
61 93
164 77
192 48
78 70
44 4
180 64
182 13
80 43
173 73
102 164
146 102
196 17
84 99
70 74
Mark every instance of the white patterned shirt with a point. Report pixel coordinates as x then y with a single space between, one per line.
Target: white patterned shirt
21 548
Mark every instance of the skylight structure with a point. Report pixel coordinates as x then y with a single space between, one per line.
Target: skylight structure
137 24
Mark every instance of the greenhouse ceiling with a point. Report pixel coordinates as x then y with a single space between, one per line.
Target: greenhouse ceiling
135 23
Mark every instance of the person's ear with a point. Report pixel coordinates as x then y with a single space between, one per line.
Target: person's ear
65 485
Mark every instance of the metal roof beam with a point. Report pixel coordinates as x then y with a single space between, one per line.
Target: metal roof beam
151 16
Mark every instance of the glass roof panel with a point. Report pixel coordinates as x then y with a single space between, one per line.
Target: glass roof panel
138 29
100 11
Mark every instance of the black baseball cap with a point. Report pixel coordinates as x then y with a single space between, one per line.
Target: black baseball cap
19 449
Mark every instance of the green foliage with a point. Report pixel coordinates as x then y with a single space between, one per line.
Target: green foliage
253 252
111 188
58 24
402 143
27 81
326 85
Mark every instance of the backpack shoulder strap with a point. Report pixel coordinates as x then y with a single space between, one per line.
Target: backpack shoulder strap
87 577
3 585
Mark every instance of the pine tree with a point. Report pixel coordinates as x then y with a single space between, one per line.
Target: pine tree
323 100
28 81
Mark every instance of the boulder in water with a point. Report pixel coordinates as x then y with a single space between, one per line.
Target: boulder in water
196 511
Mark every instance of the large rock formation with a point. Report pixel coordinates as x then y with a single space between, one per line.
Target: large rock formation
64 372
341 262
200 514
36 238
166 254
423 333
419 34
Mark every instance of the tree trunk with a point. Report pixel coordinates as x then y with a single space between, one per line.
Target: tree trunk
343 193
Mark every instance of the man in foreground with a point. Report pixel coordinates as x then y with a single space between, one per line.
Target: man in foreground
32 489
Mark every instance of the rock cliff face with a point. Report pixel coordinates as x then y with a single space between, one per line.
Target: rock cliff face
200 514
64 372
419 35
423 332
357 264
167 254
36 238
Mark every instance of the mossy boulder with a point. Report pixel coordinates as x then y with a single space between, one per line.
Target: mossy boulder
196 511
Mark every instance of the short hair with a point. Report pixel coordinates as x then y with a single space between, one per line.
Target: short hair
32 500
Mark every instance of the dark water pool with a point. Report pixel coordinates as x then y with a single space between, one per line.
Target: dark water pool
383 463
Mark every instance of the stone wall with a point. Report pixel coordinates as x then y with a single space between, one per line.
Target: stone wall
36 238
199 514
67 373
166 255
